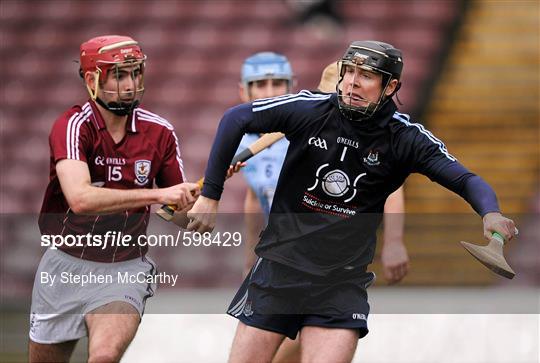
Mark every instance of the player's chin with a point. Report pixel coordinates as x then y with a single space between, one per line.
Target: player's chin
359 103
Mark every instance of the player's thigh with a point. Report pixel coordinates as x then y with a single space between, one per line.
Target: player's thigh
59 352
288 352
254 345
328 344
111 328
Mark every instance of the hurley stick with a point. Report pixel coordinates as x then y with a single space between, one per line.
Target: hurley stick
492 255
167 211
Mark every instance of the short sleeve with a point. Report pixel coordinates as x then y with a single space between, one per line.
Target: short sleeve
172 167
70 137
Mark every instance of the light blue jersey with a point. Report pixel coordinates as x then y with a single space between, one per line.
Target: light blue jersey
262 170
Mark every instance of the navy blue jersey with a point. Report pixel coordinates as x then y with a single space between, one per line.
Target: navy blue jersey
336 176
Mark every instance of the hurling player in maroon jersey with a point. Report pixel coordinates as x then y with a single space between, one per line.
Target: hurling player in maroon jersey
105 158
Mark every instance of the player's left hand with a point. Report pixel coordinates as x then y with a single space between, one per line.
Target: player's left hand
235 169
496 222
395 261
202 217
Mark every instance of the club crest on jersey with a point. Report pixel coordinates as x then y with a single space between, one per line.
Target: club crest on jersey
142 171
248 311
372 158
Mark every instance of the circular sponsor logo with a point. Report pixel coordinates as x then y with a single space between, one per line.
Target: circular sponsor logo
335 183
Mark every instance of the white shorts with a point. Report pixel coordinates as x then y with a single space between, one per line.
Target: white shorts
66 288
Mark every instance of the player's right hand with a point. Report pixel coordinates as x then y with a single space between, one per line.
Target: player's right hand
496 222
234 169
395 261
181 195
203 215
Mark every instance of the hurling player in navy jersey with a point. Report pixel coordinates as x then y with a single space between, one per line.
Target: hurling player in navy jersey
269 74
105 157
394 256
348 152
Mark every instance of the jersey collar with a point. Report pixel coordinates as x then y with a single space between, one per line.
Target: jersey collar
384 115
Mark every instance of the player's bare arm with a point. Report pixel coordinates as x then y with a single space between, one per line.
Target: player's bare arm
394 257
82 197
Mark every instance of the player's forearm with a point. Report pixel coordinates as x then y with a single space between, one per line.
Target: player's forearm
480 196
471 187
393 228
394 218
93 200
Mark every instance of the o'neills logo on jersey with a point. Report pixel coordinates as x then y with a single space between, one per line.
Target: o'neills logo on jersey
142 171
101 160
317 141
372 158
348 142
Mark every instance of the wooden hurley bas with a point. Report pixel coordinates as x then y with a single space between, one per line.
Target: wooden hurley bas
492 255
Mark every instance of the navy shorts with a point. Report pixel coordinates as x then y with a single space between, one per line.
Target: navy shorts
282 299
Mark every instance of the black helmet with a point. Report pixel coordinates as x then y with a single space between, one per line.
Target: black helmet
377 56
373 56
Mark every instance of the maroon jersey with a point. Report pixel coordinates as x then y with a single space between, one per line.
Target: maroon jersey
148 153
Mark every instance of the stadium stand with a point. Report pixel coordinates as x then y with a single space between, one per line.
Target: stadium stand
486 109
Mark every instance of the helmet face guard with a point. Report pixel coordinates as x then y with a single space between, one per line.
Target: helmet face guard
266 65
372 56
127 101
120 56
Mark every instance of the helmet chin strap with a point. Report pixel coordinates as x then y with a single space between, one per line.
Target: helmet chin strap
361 113
118 108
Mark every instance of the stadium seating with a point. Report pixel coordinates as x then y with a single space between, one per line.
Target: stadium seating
194 49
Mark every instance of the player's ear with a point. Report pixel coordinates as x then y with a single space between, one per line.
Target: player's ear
391 87
243 93
90 79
